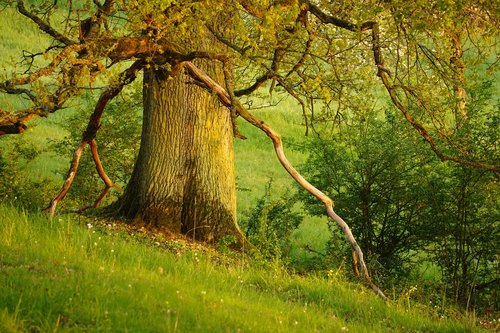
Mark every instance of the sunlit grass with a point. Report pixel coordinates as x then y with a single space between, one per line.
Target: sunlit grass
70 275
256 161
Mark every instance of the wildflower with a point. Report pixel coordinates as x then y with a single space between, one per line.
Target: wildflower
89 225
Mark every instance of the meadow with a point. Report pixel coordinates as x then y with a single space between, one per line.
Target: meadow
76 274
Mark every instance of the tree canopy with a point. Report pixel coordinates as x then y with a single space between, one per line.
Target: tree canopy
421 52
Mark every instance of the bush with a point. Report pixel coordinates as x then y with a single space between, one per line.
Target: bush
16 185
270 224
373 175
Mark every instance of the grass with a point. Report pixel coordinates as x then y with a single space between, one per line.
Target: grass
89 276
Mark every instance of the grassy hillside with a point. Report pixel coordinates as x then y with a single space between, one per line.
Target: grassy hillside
89 276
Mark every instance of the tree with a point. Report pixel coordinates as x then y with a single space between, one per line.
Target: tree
375 174
464 208
198 57
184 175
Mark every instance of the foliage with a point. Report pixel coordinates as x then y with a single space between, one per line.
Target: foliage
374 176
313 51
270 224
408 210
464 208
16 162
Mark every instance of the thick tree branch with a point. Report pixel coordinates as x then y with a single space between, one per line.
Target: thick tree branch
12 127
11 90
329 19
225 99
77 154
126 77
229 81
88 137
256 85
102 174
14 122
43 25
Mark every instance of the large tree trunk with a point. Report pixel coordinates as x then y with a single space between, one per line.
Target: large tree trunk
184 179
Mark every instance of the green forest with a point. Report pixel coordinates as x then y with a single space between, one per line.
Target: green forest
237 166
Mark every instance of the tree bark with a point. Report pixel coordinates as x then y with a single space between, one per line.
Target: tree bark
184 180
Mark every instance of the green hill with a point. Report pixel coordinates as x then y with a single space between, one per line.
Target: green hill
84 275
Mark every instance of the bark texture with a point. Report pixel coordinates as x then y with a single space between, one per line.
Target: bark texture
183 180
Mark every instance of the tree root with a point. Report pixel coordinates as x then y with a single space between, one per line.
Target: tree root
224 97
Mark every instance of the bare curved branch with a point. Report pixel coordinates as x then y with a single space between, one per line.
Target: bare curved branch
77 154
88 137
225 99
109 184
